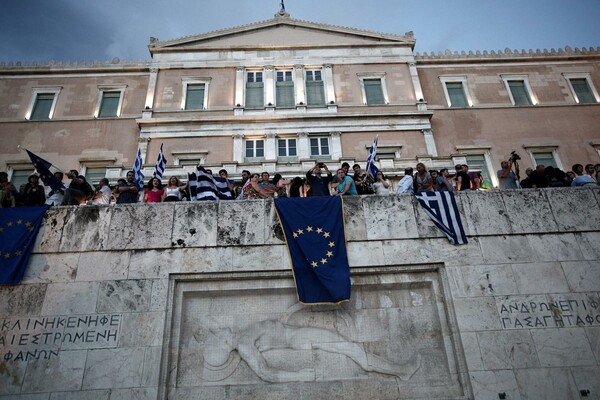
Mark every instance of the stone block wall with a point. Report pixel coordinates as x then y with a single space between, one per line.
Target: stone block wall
160 301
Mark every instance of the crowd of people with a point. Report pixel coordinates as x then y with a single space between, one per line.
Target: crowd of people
318 181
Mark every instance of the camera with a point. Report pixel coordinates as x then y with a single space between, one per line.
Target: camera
514 156
321 165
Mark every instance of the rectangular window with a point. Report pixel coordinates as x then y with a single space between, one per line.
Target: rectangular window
109 105
286 148
519 92
284 89
319 146
315 91
583 91
93 175
545 158
255 148
194 96
20 176
373 91
254 90
456 94
476 162
42 106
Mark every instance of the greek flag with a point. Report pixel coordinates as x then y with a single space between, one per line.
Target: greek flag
371 167
137 170
441 208
204 186
161 163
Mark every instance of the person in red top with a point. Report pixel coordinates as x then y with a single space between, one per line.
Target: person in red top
154 192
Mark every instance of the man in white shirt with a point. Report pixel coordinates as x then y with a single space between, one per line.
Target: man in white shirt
103 193
55 197
406 184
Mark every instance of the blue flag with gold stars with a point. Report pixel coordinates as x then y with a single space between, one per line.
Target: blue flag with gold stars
18 229
314 233
43 168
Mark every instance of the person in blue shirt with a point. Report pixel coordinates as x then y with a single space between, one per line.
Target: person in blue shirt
346 185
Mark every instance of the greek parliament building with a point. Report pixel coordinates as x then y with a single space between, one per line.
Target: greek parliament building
280 94
196 300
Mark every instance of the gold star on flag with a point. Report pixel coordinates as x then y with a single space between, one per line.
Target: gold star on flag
7 255
326 234
319 230
314 264
330 254
20 221
331 244
9 224
309 229
300 231
295 235
31 229
1 229
323 261
27 223
17 253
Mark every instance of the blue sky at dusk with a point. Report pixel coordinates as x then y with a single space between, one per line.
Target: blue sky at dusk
76 30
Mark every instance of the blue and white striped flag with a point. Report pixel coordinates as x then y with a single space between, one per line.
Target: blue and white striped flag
204 186
371 167
138 175
161 163
441 208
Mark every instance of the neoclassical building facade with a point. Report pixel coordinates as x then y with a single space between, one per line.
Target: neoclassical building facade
280 94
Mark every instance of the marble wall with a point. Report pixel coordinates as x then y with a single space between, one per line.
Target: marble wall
128 303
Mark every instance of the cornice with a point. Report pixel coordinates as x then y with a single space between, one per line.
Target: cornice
567 53
53 67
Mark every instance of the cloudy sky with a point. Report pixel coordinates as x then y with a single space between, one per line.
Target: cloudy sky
76 30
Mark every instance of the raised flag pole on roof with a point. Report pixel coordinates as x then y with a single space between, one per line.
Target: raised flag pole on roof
43 169
161 164
371 167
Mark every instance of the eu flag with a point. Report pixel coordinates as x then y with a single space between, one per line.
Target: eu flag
18 229
43 168
314 233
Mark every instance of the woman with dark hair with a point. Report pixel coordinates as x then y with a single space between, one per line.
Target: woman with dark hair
280 185
382 185
174 190
297 187
252 190
154 191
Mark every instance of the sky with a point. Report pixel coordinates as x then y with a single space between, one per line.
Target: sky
78 30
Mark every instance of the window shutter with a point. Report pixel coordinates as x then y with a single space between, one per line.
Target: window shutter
457 94
285 94
254 95
315 93
109 104
42 107
194 98
583 91
519 92
373 91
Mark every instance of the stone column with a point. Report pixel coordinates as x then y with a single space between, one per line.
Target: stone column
303 146
412 67
328 82
270 146
239 86
269 84
336 145
299 85
429 142
238 147
150 93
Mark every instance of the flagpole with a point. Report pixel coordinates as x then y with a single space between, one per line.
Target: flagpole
52 165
